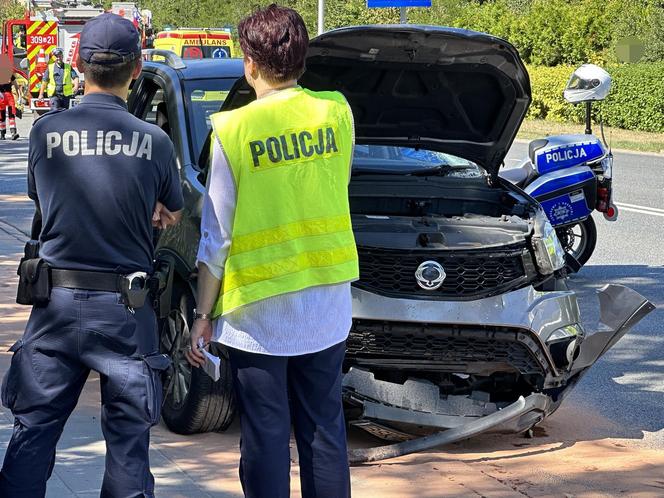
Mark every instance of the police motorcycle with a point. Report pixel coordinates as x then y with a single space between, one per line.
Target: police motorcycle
570 175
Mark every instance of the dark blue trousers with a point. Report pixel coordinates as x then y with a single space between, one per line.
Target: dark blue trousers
59 102
263 386
76 332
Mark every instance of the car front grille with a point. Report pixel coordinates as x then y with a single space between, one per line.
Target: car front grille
444 348
469 276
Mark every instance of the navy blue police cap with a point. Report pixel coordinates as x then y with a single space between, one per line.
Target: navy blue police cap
111 35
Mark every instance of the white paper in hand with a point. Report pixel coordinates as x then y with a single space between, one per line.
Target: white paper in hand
212 362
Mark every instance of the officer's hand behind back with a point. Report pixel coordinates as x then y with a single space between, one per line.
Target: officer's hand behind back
163 218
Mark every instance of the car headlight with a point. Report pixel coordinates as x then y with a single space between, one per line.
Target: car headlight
549 253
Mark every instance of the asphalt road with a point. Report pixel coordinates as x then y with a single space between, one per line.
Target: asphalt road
626 387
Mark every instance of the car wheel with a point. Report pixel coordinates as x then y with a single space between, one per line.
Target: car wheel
193 402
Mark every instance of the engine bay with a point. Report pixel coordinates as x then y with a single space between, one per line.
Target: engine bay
434 196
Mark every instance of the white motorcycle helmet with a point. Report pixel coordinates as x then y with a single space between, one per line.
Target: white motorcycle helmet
589 82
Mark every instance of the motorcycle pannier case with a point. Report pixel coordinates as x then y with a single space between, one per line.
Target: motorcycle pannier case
567 195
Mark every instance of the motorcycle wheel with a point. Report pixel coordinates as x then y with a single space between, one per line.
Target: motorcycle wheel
579 240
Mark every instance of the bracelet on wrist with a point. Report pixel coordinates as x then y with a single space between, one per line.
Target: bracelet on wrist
202 316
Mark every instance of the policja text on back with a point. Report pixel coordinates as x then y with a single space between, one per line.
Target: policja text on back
107 143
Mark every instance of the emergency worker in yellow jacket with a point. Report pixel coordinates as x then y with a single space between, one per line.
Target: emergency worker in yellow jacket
276 259
60 81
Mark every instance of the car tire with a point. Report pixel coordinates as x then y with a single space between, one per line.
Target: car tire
193 402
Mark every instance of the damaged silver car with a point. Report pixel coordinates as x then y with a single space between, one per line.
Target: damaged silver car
462 318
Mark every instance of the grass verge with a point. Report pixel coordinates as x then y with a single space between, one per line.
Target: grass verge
618 139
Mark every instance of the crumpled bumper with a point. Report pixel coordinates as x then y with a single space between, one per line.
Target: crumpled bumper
621 308
526 308
397 411
522 407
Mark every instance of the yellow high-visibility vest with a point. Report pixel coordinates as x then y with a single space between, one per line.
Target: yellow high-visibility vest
67 85
290 154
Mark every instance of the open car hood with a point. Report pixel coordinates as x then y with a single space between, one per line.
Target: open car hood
450 90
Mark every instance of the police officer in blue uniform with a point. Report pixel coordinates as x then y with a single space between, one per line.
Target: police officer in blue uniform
102 179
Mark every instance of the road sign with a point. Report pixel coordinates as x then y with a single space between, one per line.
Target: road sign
398 3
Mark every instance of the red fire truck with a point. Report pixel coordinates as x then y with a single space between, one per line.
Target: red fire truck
29 41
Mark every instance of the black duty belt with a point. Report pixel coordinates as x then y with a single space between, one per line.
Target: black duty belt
98 280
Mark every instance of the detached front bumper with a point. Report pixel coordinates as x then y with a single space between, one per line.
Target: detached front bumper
526 317
397 412
522 407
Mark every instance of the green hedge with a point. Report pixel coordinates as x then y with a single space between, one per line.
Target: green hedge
553 32
546 32
636 101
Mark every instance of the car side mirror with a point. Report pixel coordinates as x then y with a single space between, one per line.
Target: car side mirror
24 64
588 83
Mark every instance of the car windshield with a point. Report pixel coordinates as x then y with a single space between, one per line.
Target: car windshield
205 97
389 159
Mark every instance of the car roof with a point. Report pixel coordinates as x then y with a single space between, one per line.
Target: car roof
201 69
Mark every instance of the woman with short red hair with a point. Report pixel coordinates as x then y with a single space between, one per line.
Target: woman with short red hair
276 259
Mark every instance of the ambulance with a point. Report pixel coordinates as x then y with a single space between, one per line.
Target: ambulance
197 43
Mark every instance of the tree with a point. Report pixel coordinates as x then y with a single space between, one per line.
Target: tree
11 9
546 32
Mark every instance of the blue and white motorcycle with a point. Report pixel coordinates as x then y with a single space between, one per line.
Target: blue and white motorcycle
570 175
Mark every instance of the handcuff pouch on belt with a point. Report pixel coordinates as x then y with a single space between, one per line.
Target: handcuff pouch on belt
34 285
134 289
